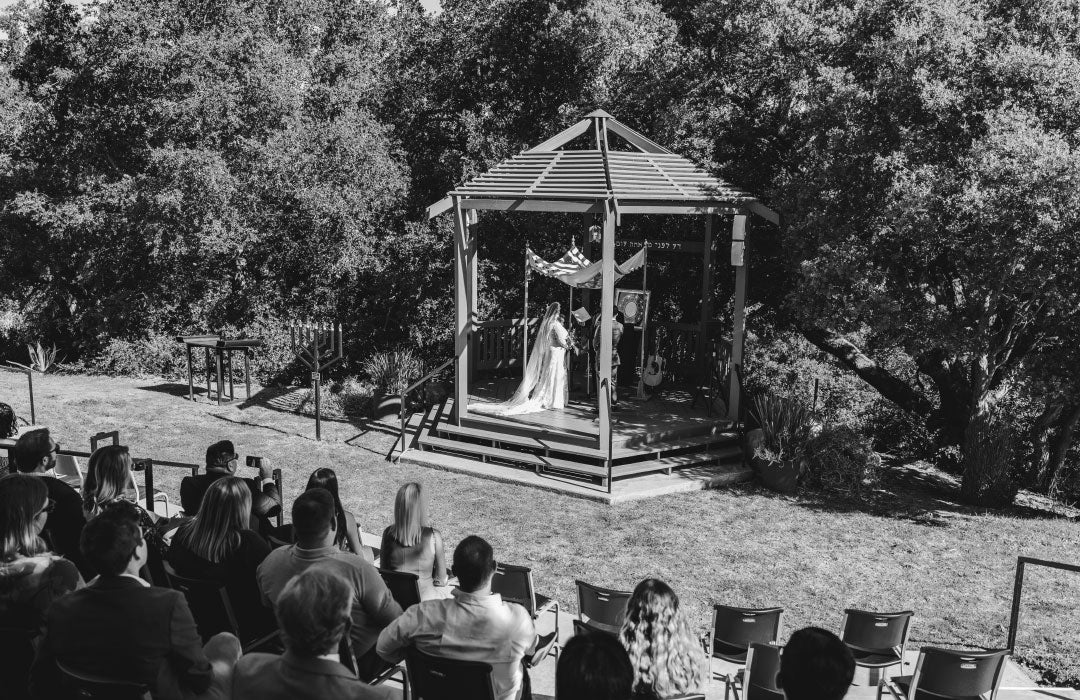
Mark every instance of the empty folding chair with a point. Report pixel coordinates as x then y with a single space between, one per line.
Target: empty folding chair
602 608
515 584
758 680
876 640
949 673
734 629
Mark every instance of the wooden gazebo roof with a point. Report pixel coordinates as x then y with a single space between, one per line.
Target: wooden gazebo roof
650 179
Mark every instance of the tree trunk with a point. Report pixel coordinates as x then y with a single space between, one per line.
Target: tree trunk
1060 445
888 385
951 379
1039 434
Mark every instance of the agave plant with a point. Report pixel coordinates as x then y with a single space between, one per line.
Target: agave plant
391 372
785 426
42 358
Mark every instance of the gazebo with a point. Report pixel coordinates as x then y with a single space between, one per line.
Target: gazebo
607 184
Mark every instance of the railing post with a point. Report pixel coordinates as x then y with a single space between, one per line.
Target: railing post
1014 616
148 484
30 382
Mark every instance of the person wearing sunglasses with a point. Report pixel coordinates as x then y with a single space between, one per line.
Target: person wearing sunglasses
35 455
31 577
314 612
122 628
222 461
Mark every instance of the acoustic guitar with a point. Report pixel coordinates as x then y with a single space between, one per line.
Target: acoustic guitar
655 365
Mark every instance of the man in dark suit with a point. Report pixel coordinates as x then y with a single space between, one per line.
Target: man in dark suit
35 454
313 611
222 461
122 628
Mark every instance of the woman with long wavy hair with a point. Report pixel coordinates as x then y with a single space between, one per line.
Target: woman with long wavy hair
108 478
31 576
413 546
218 544
667 660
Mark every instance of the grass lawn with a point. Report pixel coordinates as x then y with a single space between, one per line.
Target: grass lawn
814 555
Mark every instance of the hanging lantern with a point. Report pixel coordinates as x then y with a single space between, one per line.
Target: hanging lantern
595 233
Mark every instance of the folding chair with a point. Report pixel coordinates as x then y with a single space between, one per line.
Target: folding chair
581 628
758 680
89 686
68 470
734 629
949 673
213 611
602 608
405 587
876 640
348 658
435 678
515 584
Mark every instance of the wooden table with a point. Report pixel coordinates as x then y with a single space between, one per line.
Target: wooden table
223 350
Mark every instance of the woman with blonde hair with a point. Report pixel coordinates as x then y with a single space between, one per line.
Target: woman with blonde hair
219 545
667 660
108 478
413 546
31 576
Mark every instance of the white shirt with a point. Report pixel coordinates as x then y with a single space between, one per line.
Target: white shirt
469 627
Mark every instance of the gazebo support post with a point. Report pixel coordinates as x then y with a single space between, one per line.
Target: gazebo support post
471 219
607 303
706 306
738 261
462 305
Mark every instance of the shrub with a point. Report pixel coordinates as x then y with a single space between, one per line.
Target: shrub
841 459
391 372
989 461
785 425
349 397
156 355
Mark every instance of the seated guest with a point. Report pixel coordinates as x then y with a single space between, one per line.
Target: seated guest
35 454
373 608
412 546
593 667
347 535
121 627
218 545
666 658
31 577
474 625
815 665
222 461
313 612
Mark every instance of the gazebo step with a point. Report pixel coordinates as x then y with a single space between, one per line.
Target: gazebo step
484 453
667 464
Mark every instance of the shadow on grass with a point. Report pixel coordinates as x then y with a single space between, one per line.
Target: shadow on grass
913 491
174 389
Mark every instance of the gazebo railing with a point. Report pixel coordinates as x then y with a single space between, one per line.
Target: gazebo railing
500 343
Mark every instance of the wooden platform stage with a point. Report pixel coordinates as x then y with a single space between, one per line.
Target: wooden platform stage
659 445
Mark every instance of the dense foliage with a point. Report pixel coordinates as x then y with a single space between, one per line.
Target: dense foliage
175 166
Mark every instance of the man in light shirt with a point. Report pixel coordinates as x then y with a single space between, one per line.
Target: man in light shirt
474 625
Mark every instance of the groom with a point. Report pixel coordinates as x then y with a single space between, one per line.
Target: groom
616 335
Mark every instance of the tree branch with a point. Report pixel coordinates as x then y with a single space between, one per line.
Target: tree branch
888 385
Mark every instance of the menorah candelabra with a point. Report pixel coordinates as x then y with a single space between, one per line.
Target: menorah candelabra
317 345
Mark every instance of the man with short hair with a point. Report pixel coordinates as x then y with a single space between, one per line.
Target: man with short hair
475 625
122 628
313 612
35 454
222 461
815 665
373 607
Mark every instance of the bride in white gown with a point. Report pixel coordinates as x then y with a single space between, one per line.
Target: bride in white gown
543 385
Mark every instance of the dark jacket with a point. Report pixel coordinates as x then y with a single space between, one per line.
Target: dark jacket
118 628
265 502
64 525
290 677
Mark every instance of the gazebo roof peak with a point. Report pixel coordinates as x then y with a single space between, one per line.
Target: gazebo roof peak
646 179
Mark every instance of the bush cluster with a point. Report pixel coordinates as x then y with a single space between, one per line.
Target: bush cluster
841 459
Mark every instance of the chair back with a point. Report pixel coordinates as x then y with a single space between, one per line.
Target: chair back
603 608
735 629
434 678
762 665
876 632
955 673
405 587
88 686
582 628
515 584
67 469
16 656
112 436
209 603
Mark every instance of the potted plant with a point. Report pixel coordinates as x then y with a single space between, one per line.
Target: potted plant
777 450
391 373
